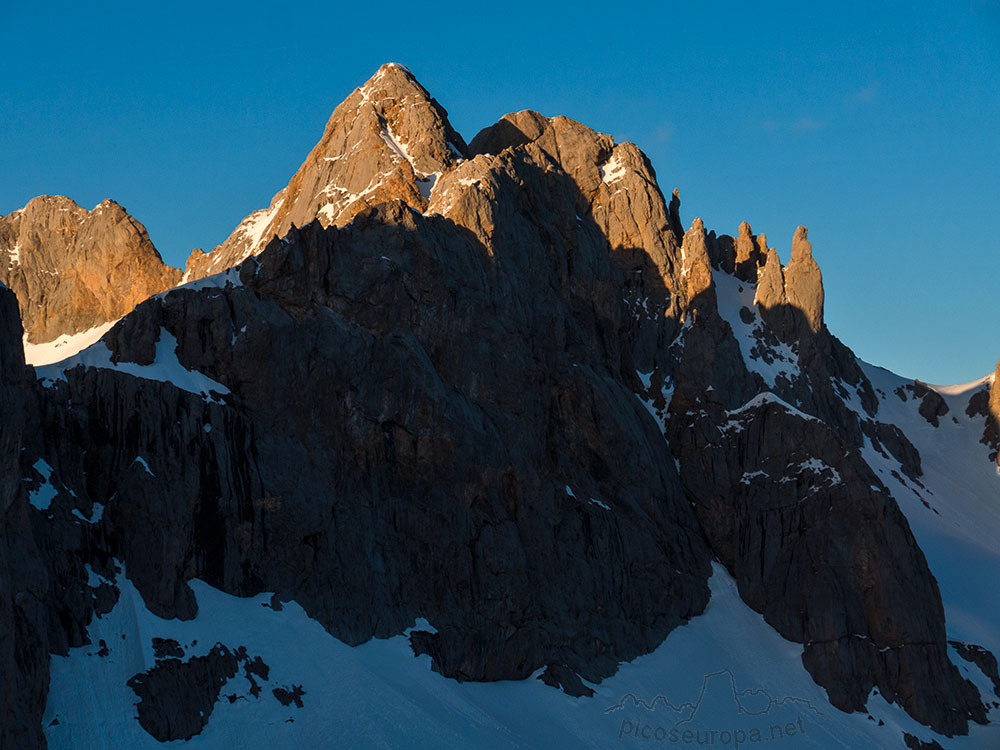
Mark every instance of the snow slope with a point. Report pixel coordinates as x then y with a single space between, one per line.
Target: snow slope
64 346
381 695
955 516
165 367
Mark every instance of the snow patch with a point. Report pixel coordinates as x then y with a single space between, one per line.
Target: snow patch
227 279
612 170
648 399
95 516
42 497
733 296
766 397
65 346
962 388
165 368
142 462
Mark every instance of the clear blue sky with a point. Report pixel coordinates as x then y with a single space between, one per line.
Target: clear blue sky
877 127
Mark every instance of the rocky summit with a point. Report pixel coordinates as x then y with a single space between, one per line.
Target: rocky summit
73 269
389 140
473 444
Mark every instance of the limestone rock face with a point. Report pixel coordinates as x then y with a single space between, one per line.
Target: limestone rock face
742 256
389 140
74 269
750 253
435 380
804 282
792 296
771 283
696 268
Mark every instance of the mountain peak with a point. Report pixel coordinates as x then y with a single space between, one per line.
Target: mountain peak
74 269
389 140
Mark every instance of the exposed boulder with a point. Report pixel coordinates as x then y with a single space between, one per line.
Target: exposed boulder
176 697
932 403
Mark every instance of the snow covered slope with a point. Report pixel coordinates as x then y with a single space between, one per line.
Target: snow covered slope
63 347
954 510
726 674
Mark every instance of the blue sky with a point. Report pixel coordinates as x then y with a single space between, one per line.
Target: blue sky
876 127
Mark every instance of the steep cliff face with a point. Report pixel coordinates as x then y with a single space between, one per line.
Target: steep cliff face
992 434
496 387
24 643
771 455
74 269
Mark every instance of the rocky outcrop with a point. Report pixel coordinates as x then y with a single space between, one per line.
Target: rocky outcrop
176 697
696 266
74 269
820 549
609 202
804 282
792 296
742 256
389 140
982 658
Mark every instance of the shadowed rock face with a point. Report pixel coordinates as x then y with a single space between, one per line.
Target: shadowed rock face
24 647
450 427
74 269
427 407
992 434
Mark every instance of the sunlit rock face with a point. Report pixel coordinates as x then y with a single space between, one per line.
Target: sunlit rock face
389 140
74 269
